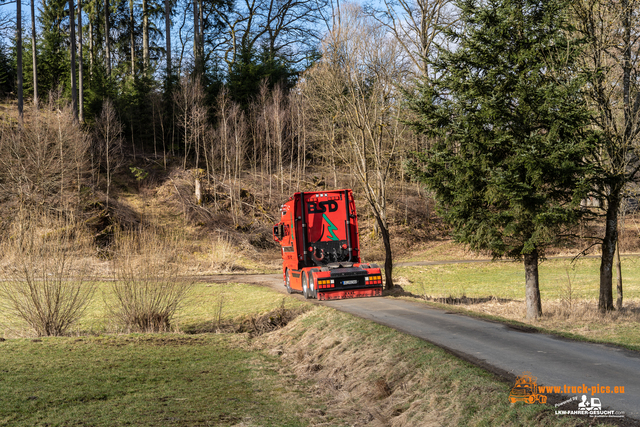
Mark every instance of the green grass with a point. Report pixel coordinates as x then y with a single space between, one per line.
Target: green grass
238 300
140 380
506 279
561 281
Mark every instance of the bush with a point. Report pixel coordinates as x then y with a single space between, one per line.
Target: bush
45 284
148 287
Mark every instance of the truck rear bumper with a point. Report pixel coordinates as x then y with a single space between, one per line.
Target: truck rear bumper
349 293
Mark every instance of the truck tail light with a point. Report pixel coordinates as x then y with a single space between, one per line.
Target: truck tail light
325 284
373 280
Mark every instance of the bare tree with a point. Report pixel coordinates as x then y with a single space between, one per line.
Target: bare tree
109 137
278 113
41 161
416 25
355 84
286 28
611 31
192 115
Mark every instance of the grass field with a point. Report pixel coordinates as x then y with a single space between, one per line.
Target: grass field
201 308
569 292
324 368
142 380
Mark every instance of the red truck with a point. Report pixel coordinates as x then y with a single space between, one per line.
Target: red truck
318 235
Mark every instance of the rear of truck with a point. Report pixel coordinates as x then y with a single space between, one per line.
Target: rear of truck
318 235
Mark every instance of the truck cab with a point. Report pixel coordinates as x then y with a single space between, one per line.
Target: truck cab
318 237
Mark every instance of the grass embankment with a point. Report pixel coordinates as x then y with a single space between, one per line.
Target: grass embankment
324 368
569 292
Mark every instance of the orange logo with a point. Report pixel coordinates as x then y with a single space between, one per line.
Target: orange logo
526 390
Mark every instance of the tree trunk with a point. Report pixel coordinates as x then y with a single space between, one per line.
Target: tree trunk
388 256
72 36
196 34
19 57
167 34
90 46
132 47
34 51
532 289
106 36
201 36
145 35
605 301
80 65
619 268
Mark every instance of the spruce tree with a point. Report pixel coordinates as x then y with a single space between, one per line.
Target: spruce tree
510 131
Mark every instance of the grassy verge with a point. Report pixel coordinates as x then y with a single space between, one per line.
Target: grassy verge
369 374
569 293
140 380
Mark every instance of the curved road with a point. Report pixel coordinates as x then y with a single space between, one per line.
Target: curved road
500 348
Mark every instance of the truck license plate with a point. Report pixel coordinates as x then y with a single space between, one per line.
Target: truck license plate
350 282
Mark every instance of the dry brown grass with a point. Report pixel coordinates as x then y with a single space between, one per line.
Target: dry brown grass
367 375
581 318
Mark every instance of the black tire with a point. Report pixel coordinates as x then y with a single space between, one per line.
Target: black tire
313 291
287 281
305 286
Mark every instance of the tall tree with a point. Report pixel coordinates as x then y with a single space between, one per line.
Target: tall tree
510 131
167 34
132 40
145 35
107 43
19 56
81 65
54 46
611 33
72 37
34 51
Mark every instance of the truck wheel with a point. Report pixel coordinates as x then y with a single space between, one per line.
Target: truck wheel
305 286
287 281
313 291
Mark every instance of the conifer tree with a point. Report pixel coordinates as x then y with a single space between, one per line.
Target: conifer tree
510 131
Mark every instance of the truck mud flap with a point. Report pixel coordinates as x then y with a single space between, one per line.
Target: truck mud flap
350 293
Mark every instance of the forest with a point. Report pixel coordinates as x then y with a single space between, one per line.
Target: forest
518 119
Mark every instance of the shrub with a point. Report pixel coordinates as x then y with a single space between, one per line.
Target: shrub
148 286
45 284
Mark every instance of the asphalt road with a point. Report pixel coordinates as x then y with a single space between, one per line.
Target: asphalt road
500 348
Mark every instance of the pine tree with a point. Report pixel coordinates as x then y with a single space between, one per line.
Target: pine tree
510 131
53 51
